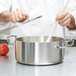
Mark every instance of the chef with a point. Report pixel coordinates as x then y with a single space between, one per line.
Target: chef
18 11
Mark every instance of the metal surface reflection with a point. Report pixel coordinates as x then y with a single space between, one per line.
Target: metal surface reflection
4 59
25 70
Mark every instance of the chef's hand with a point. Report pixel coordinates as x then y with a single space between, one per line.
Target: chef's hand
19 15
66 19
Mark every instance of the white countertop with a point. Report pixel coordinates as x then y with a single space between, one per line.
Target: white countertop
9 66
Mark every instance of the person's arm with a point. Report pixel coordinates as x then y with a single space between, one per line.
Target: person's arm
66 19
16 16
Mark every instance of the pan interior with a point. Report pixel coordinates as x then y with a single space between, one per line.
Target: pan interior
37 39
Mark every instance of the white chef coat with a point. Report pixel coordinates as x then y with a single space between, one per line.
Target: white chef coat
41 27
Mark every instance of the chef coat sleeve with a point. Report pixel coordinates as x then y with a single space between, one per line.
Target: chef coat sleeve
4 5
71 8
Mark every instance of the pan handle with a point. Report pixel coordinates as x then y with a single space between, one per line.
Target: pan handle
65 44
10 40
71 41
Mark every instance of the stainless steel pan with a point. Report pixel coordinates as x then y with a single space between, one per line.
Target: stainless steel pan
30 50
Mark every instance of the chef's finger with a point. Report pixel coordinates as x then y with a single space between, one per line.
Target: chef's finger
23 13
16 16
12 17
19 14
65 18
66 23
61 15
25 16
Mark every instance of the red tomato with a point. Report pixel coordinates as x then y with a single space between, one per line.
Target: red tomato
4 49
